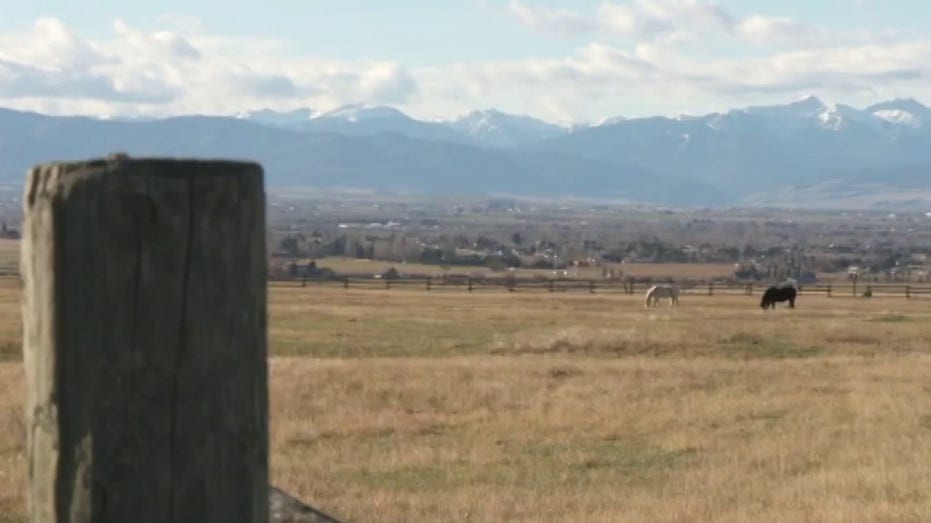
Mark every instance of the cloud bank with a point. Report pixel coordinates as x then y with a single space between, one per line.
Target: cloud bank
637 58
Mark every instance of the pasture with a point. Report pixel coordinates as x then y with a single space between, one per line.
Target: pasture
406 406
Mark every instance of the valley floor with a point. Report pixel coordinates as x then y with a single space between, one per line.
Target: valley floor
403 406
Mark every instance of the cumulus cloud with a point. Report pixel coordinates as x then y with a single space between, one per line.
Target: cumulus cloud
178 70
161 44
388 83
172 71
767 29
548 19
668 21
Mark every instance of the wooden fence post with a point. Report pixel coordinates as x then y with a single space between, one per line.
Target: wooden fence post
429 281
387 283
829 290
591 286
908 292
552 285
710 289
345 282
145 342
470 284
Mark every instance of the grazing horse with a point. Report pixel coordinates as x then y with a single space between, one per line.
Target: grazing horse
656 292
774 294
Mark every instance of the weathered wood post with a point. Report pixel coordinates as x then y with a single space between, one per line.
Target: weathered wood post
145 341
908 291
429 282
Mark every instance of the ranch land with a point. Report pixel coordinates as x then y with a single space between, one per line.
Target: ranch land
407 406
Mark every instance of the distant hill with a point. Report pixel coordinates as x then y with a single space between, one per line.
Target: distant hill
802 151
382 160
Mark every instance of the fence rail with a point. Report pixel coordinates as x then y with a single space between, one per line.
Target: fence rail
467 284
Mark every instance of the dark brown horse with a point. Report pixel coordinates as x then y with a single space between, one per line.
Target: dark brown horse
774 294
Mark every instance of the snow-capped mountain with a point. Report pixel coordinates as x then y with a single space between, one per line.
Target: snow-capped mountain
285 119
755 149
806 148
357 113
496 129
366 120
906 112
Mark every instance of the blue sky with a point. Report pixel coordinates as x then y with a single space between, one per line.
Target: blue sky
568 61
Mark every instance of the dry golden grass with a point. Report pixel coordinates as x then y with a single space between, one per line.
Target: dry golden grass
404 405
9 255
636 439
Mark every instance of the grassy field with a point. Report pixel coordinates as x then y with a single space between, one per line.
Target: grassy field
9 256
402 406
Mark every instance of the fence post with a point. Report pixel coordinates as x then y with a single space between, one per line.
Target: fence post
345 282
829 290
552 285
429 281
591 286
387 283
908 291
144 342
470 284
710 289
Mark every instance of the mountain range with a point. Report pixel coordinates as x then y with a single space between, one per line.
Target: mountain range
804 153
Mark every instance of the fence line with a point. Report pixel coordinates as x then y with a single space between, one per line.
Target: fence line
835 290
468 284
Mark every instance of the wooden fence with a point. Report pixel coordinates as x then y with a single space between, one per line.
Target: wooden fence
468 284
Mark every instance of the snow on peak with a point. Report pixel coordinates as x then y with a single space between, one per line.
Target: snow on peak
807 107
359 112
899 117
281 118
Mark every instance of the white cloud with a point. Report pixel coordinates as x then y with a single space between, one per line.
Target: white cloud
160 44
50 68
168 72
552 20
769 29
668 21
388 83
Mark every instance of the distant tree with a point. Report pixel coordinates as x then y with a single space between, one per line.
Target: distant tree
289 246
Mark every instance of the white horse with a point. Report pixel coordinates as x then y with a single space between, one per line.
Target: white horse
656 292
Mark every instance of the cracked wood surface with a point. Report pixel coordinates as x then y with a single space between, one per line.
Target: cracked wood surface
145 341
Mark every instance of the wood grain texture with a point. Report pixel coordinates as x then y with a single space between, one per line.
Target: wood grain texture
145 341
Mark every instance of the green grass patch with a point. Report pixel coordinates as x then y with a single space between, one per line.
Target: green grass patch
11 350
889 318
747 345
